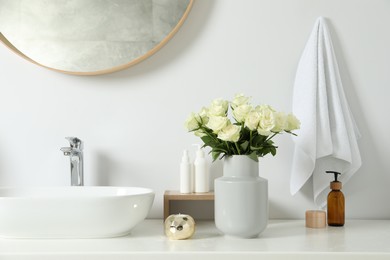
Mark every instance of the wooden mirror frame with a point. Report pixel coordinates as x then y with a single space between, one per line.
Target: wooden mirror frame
149 53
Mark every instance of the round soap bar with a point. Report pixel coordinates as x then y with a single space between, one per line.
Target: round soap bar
315 219
180 226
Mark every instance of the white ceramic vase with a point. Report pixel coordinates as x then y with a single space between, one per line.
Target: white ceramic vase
241 198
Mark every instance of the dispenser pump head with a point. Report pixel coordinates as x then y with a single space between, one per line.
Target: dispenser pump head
335 174
199 152
185 158
335 185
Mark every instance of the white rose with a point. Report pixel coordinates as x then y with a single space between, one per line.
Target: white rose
292 123
200 133
203 115
230 133
264 108
239 100
267 121
252 120
191 123
218 107
280 122
241 112
217 123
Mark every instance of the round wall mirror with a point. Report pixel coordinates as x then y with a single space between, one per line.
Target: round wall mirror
89 37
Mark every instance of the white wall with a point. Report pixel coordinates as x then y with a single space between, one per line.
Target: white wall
132 121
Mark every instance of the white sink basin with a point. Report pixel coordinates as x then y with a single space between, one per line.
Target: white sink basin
72 212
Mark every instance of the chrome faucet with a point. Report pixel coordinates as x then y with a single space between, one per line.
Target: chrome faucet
75 153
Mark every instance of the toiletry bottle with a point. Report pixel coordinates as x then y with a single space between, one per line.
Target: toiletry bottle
336 203
186 174
201 172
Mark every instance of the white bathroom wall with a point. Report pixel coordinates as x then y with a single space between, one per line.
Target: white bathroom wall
132 121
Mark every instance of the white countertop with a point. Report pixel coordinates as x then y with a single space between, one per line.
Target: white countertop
358 239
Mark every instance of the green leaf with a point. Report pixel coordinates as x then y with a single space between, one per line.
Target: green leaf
258 140
222 147
219 150
253 148
244 145
291 133
207 139
245 134
254 156
215 155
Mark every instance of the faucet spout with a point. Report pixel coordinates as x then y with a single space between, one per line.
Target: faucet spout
75 153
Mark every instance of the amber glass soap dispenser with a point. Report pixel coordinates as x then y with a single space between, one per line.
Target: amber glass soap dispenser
336 203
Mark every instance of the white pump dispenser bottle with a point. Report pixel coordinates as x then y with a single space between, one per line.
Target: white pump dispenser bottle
186 174
201 172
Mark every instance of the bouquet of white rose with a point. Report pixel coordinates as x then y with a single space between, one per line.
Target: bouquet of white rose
250 134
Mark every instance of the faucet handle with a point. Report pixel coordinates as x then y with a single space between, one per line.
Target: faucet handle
75 142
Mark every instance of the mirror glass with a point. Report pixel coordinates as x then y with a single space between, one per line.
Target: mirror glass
89 37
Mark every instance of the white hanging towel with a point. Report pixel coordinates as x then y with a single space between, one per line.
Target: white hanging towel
328 136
